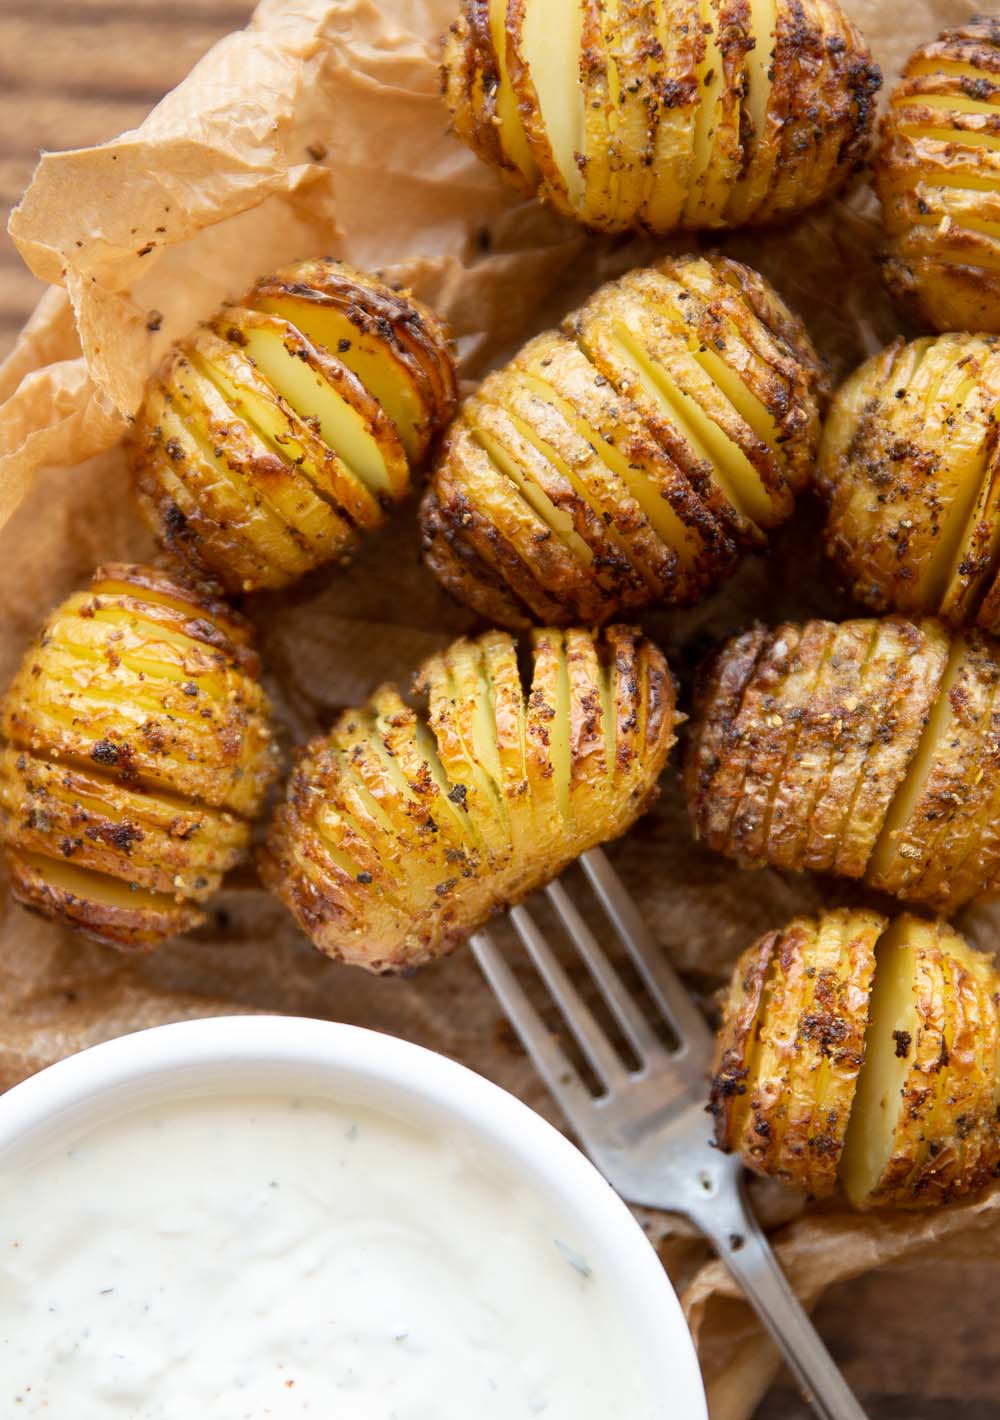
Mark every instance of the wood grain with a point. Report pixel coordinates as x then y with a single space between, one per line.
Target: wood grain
77 72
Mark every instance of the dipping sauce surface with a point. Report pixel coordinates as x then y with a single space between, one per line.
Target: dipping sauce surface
236 1258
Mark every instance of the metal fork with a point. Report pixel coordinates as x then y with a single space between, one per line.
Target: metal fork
647 1131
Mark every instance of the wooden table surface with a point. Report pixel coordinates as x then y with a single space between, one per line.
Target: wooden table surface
75 72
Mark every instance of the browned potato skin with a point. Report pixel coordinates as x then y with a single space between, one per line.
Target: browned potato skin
741 706
945 271
897 489
508 802
136 749
944 1145
601 552
814 1012
275 515
816 122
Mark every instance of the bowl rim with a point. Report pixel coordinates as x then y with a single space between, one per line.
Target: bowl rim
393 1066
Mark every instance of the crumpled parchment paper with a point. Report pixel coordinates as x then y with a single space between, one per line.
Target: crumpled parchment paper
319 129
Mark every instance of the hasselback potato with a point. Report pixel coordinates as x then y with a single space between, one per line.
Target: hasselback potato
665 115
859 1051
937 172
289 424
632 456
869 749
910 467
404 829
135 751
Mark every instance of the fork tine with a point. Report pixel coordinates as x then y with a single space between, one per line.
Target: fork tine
662 981
589 1035
547 1055
636 1028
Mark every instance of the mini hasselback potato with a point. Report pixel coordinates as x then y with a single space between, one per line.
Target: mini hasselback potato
862 1053
631 457
910 467
937 173
666 115
869 749
136 748
289 424
405 829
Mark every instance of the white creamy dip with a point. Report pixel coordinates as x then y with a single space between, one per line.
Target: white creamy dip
235 1258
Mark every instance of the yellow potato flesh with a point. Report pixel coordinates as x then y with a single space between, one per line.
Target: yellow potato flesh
749 189
908 795
144 594
341 426
556 518
232 495
705 199
963 447
661 516
878 1101
731 470
560 740
512 135
96 887
375 366
552 40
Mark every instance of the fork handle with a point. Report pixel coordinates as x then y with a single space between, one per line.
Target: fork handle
728 1222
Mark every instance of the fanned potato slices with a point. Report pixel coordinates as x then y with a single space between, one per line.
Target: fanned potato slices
658 114
289 424
791 1046
937 173
869 749
405 829
859 1052
632 456
136 748
910 467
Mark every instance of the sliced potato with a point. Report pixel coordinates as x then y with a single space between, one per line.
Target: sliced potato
627 459
937 173
402 831
136 749
659 114
291 423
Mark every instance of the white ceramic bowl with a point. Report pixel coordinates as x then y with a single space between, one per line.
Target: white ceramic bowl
278 1052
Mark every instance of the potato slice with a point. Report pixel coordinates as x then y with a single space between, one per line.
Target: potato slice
403 831
911 1091
635 483
166 845
137 746
544 58
946 790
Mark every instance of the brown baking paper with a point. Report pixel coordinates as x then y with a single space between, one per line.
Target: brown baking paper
319 129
